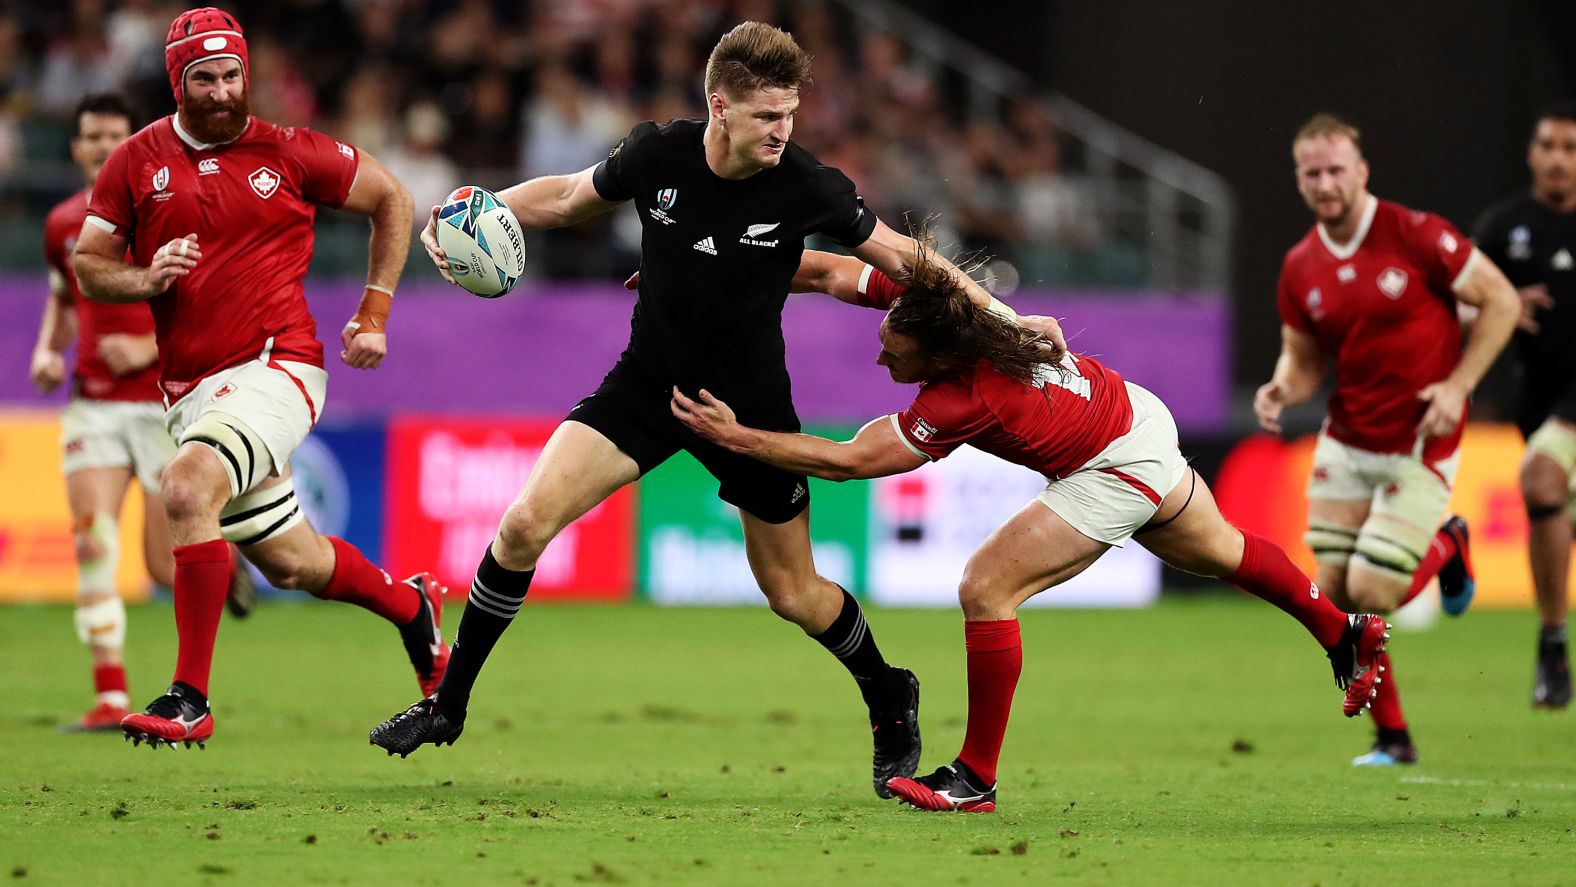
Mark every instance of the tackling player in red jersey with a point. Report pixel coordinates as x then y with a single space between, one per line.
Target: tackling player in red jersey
112 430
1373 287
1108 450
216 208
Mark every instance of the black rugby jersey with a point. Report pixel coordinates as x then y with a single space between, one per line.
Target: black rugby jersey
1533 244
717 258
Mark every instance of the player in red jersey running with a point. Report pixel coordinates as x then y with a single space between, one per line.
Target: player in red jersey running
1374 287
1108 449
113 428
216 207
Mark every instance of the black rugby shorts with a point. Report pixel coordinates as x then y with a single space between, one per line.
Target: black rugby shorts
636 416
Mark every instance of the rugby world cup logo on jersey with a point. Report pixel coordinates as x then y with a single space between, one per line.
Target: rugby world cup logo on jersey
1392 282
264 182
161 179
754 231
665 200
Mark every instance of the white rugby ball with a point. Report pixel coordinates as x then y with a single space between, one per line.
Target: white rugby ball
482 240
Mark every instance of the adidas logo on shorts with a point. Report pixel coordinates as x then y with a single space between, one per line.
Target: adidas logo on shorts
706 245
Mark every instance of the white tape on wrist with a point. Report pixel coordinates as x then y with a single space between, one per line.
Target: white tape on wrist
997 306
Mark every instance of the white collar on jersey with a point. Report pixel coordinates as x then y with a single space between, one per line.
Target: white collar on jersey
1350 249
202 146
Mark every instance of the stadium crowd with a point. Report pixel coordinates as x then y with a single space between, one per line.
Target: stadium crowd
493 92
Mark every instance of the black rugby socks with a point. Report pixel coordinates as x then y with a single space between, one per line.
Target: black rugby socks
495 599
850 640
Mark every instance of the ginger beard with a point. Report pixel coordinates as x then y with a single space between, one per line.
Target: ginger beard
215 122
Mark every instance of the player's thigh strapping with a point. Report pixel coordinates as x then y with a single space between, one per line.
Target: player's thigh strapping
1407 499
637 416
253 416
1118 491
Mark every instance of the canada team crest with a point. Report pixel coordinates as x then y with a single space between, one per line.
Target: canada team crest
264 181
1393 282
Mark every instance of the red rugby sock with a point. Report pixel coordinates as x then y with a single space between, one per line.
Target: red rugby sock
1266 572
995 656
358 581
202 579
1387 705
1440 551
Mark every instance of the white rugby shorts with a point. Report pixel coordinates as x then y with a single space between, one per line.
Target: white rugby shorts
1118 491
1408 496
116 434
277 400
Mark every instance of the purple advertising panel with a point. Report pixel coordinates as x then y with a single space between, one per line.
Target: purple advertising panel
542 348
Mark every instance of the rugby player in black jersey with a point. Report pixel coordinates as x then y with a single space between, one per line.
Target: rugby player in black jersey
725 205
1532 236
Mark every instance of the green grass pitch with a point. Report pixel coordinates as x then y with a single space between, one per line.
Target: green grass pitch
1198 742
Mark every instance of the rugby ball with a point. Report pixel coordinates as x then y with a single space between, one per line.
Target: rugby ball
482 240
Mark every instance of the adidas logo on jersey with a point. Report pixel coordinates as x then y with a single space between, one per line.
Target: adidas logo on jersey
706 245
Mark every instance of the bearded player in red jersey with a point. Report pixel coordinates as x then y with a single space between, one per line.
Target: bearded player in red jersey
1374 287
216 207
112 430
1108 450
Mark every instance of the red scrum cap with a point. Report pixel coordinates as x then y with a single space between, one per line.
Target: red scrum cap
198 35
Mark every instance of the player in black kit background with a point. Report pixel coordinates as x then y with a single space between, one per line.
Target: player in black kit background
725 205
1532 236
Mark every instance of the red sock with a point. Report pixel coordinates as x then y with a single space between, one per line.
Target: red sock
1266 572
202 578
1442 549
109 683
1387 705
358 581
995 651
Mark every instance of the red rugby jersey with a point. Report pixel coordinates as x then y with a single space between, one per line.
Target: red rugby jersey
252 203
92 379
1055 426
1383 306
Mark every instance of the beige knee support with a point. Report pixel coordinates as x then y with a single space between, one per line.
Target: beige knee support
98 553
243 454
1332 545
261 514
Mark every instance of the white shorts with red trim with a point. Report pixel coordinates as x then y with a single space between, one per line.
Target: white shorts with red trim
277 401
1406 495
116 434
1114 494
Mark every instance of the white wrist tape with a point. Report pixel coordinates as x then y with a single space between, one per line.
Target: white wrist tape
997 306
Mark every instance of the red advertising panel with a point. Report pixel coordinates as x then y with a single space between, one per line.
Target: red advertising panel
450 479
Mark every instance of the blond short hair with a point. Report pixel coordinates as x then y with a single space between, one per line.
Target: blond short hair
1322 125
755 55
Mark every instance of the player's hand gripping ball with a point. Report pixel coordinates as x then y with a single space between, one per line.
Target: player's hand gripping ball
482 240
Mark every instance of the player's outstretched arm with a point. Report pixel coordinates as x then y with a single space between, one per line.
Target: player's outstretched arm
56 331
875 451
556 201
1298 371
893 254
103 274
1484 287
379 196
837 276
538 204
